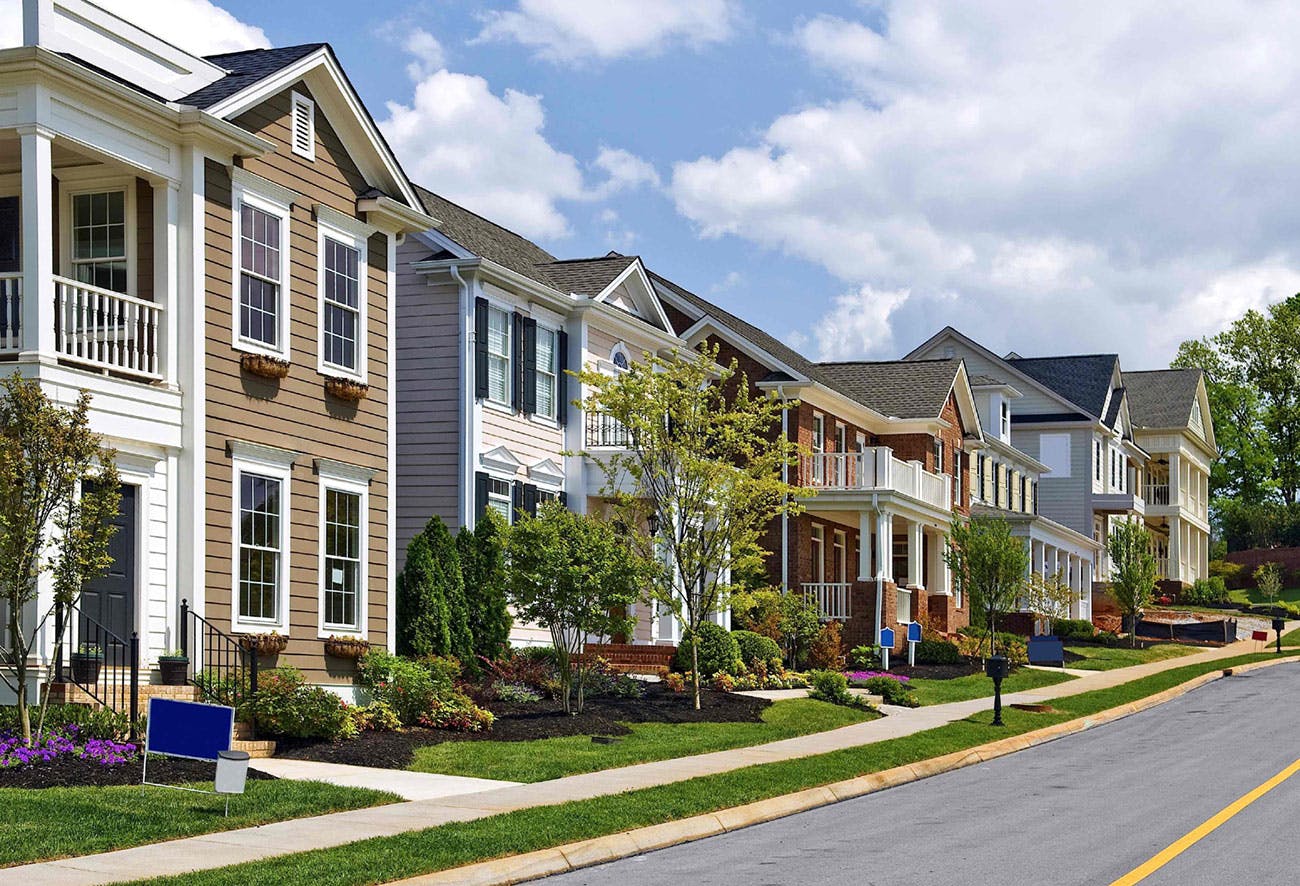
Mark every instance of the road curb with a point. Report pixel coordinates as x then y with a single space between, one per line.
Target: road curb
611 847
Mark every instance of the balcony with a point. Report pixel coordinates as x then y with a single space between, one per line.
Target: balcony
606 432
832 599
875 469
1157 494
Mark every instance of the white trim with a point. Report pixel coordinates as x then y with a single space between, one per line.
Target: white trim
244 461
342 471
546 471
283 198
298 100
269 198
390 463
359 630
355 227
350 236
271 457
501 460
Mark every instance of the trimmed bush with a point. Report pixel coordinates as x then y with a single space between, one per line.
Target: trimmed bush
423 612
755 647
285 705
1206 592
937 652
410 688
1073 628
483 569
1234 575
892 690
718 651
831 686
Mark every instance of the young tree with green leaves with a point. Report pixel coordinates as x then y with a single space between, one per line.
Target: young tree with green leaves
1133 570
575 574
703 467
989 566
59 489
426 587
1047 597
1268 577
483 565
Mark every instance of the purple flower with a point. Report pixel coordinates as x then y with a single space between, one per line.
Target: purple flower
858 676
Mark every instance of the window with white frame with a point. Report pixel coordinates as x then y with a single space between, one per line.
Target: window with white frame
547 364
262 260
499 497
99 239
819 434
839 556
938 456
1006 420
343 555
261 546
817 551
341 270
498 355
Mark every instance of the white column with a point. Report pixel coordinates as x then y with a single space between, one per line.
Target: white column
915 549
885 545
1175 570
864 546
1054 561
38 308
1175 479
939 582
1076 585
166 253
1037 556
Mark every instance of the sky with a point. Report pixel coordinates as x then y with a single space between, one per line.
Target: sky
851 176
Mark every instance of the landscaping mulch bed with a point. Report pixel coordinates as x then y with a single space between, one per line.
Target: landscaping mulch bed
935 672
74 772
536 720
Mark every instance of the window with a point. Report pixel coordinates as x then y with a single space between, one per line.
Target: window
260 546
341 320
956 477
99 235
1024 494
817 550
499 498
547 363
342 566
1006 420
862 443
498 356
260 273
1054 451
1096 458
839 556
841 438
997 486
819 434
304 126
938 456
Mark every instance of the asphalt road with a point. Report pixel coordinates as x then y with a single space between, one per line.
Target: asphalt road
1085 809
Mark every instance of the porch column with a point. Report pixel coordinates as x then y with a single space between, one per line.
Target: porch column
1054 563
885 545
915 550
938 568
1037 558
1174 571
864 546
1175 479
38 307
166 218
1076 585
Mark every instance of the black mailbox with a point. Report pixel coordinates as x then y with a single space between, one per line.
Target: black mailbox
997 667
1279 624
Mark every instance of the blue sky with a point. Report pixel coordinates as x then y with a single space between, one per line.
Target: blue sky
1050 178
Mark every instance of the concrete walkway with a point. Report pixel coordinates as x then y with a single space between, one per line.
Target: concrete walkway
407 785
300 835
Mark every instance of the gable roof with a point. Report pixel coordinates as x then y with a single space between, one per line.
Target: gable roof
586 276
1162 398
1083 380
909 389
246 68
488 239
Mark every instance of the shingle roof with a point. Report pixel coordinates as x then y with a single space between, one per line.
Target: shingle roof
1083 380
897 388
1162 398
246 68
487 239
586 276
978 380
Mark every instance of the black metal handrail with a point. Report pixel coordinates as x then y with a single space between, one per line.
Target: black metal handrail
223 669
102 664
606 431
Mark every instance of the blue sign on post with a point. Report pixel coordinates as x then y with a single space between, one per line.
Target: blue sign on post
914 632
188 729
887 638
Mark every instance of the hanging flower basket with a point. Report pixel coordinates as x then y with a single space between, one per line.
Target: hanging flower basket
264 644
346 647
265 366
347 389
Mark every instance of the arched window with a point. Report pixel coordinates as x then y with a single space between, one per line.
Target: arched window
619 356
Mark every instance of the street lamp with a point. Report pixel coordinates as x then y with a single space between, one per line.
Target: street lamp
997 667
652 523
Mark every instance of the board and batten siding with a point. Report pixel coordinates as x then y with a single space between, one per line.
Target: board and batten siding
295 413
428 398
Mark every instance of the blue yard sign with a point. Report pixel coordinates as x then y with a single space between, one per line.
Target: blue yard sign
887 638
914 632
188 729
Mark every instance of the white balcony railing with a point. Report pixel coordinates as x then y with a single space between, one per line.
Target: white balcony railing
11 312
1156 494
903 607
875 469
107 330
832 599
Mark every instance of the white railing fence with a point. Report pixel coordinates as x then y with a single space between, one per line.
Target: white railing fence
1156 494
875 468
11 312
106 329
832 599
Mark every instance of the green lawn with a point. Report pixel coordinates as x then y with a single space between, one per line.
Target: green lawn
978 685
1105 658
1291 638
556 757
60 822
1253 595
406 855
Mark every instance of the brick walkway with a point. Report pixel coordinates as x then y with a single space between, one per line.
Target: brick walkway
300 835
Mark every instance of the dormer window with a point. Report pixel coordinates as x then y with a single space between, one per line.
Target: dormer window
1006 420
304 126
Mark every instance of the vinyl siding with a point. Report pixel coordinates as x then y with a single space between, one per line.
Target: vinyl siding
1066 500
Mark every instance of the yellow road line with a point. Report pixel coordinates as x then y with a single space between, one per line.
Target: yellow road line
1182 844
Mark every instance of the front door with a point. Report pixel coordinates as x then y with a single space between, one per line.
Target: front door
110 599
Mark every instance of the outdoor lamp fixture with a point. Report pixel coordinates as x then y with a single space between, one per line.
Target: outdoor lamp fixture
997 667
652 523
1279 624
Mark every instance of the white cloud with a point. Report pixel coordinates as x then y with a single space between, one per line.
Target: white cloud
429 57
575 30
196 26
731 281
1040 179
623 170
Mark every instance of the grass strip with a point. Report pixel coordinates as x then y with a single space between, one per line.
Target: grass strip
550 758
48 823
383 859
930 692
1106 658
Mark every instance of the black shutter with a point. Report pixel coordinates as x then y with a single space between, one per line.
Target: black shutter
530 499
516 500
562 379
480 348
564 499
480 495
529 354
517 361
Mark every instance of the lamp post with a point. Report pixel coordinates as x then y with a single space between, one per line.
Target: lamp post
997 667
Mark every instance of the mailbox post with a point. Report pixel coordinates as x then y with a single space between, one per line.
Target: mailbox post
997 667
1279 624
886 645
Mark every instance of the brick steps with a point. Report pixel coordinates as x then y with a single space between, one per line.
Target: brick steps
70 693
258 750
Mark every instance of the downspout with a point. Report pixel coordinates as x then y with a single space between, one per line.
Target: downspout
785 514
880 575
465 418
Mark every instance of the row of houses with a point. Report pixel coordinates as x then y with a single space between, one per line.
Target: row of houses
301 356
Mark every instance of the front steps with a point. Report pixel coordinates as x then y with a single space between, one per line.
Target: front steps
255 748
633 658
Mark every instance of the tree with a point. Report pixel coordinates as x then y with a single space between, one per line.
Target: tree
483 565
988 566
1133 570
59 489
1047 597
1268 576
425 588
702 468
576 575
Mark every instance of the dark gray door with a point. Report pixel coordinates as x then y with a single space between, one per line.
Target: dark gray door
110 599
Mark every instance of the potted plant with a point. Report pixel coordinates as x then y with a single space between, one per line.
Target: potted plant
264 644
86 662
347 389
346 647
264 365
174 668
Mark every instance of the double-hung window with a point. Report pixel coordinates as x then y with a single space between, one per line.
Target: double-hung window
498 355
99 239
938 456
261 550
341 317
547 365
261 265
500 499
343 547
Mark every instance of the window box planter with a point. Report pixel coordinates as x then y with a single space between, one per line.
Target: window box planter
264 644
346 647
174 669
265 366
347 389
86 664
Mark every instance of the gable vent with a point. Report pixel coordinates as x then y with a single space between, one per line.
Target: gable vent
304 126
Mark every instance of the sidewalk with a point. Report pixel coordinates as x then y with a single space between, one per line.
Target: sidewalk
405 784
300 835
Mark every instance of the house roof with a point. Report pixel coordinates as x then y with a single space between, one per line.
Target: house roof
977 381
914 389
1083 380
586 276
488 239
246 68
1162 398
